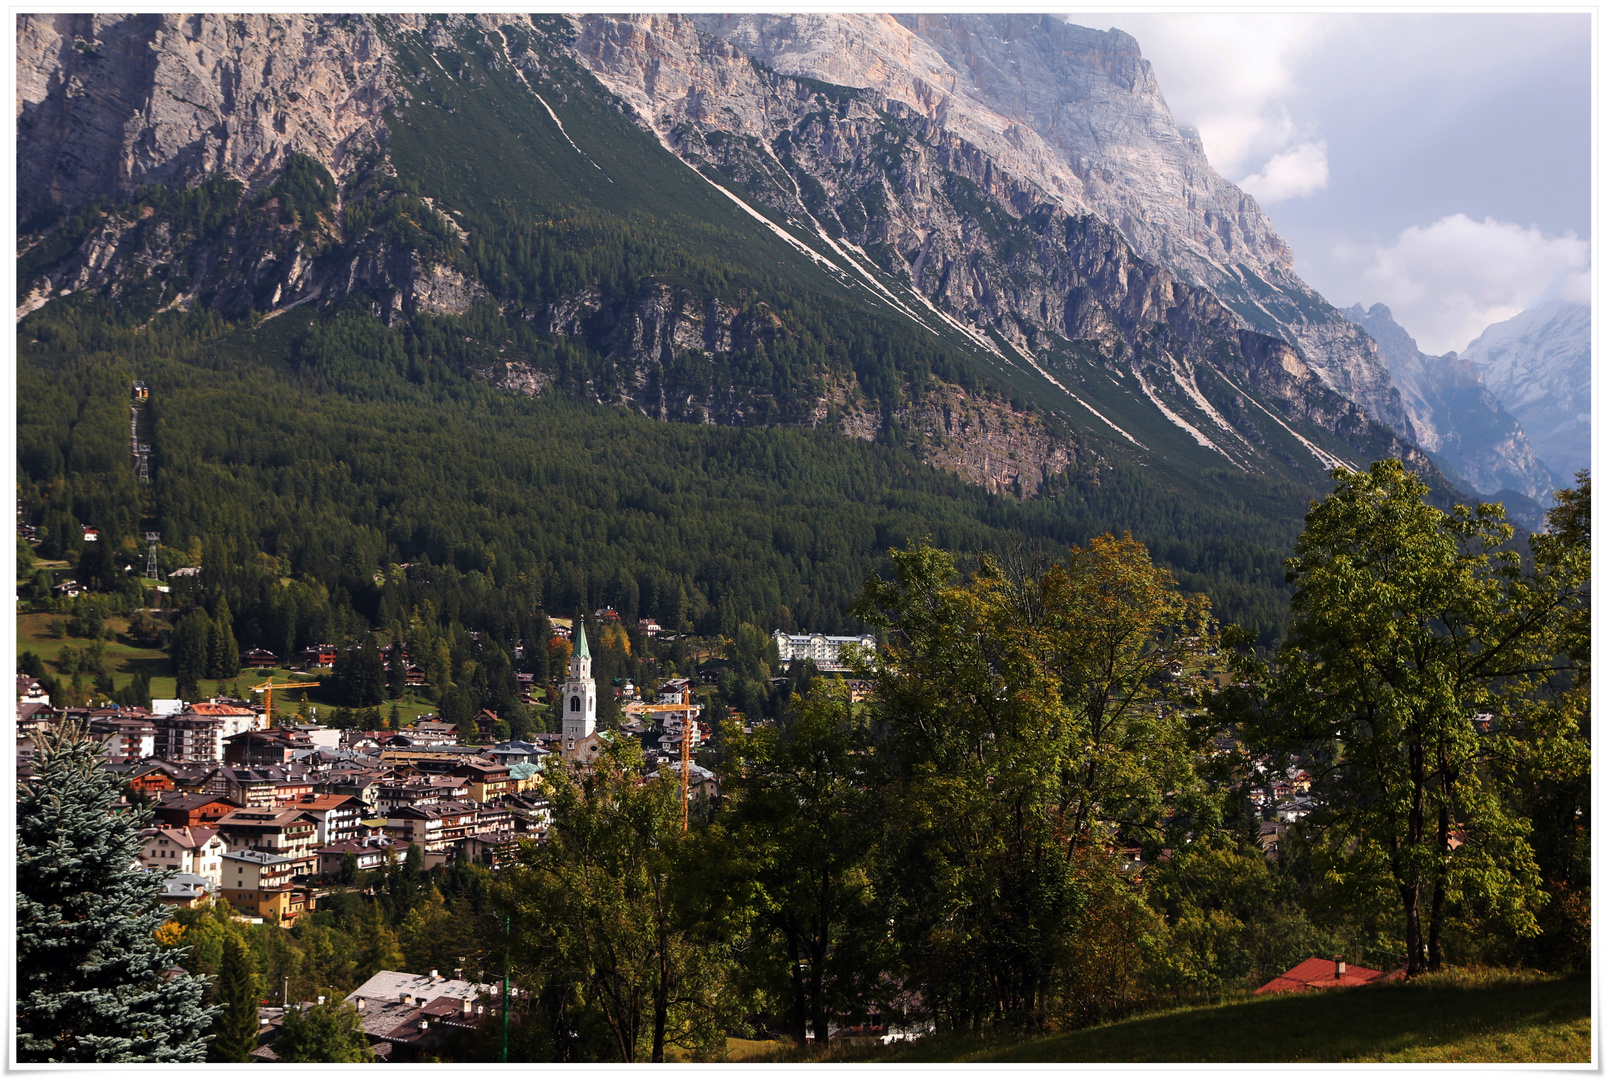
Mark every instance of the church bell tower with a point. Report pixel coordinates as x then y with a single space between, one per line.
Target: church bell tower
579 693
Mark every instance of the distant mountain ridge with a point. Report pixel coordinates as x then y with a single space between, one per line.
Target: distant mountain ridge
1455 416
1538 365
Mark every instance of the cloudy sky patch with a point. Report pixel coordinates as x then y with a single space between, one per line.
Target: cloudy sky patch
1439 163
1453 278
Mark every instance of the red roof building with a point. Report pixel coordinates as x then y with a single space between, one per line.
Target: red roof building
1316 973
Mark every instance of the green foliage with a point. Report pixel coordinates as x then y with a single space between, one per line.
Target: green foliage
93 983
1233 921
987 709
794 853
618 959
25 559
238 990
323 1033
358 678
1412 674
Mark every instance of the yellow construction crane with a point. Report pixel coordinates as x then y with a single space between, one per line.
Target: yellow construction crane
267 690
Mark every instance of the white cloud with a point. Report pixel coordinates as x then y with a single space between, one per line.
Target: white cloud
1229 76
1296 172
1447 281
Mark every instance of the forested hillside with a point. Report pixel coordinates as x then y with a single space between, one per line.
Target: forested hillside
445 390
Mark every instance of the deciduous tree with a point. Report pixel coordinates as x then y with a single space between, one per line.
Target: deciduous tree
1411 667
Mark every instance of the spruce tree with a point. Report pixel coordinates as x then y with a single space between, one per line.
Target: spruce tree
93 983
223 652
238 991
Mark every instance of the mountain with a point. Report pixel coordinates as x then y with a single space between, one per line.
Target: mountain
314 215
1456 417
1061 115
1538 365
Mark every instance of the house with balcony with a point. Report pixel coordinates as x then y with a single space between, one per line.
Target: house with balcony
339 817
287 833
261 883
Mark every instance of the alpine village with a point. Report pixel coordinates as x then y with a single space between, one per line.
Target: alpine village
735 538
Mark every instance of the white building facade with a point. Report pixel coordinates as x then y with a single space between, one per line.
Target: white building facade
824 649
579 696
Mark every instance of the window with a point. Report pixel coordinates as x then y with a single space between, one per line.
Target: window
575 704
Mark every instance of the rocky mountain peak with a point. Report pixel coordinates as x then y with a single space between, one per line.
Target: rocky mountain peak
1538 365
107 104
1457 418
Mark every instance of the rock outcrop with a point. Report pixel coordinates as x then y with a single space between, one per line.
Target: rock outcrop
1013 184
107 104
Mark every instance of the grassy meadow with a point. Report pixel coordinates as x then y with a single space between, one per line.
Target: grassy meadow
1458 1017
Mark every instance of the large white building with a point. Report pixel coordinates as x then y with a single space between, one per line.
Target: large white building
821 648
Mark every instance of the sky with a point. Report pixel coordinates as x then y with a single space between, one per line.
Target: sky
1439 164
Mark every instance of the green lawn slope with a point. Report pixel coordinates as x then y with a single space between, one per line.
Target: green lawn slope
1459 1017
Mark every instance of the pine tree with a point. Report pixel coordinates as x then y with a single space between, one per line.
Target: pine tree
93 983
223 652
238 991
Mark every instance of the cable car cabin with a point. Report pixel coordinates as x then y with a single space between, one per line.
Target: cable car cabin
141 392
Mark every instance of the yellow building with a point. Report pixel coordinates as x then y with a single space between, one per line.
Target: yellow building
260 883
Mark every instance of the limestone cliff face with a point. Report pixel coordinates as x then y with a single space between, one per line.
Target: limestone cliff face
109 103
895 186
1048 114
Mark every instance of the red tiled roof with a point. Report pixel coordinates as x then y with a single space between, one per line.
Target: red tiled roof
1316 973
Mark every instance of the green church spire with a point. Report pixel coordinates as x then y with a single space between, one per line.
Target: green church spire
582 649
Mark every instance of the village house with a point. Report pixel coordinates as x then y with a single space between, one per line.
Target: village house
196 851
254 787
338 817
189 737
486 782
827 651
260 883
406 1015
435 828
288 833
516 752
317 656
149 778
1316 973
370 853
126 738
271 746
30 691
32 718
493 849
181 809
186 890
